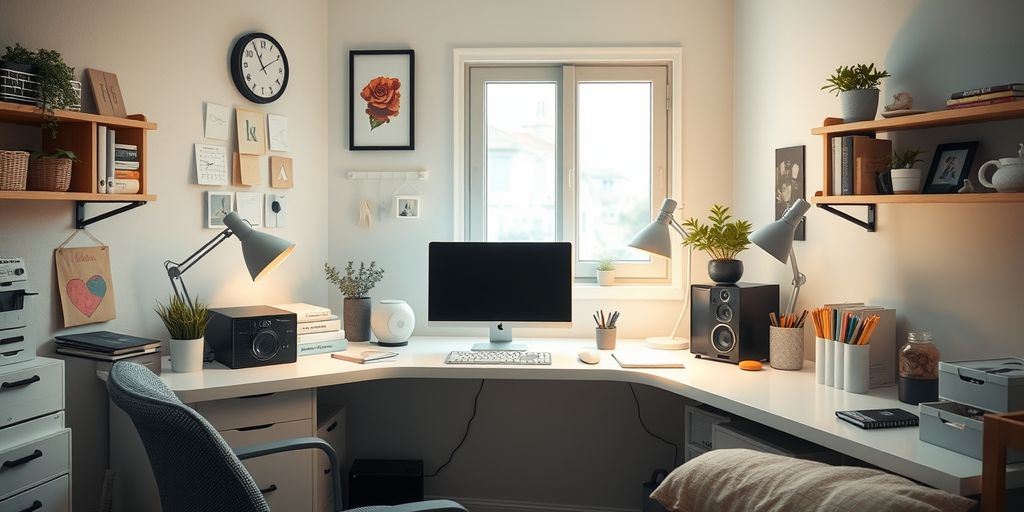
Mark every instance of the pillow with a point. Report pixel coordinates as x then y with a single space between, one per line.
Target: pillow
747 480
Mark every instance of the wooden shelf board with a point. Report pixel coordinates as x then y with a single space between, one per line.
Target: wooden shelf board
29 114
36 195
998 197
937 118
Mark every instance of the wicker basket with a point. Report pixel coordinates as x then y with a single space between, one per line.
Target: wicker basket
50 174
13 170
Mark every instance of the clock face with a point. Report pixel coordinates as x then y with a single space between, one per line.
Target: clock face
259 67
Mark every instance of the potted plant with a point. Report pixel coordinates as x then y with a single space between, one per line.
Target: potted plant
186 324
857 88
354 286
51 171
906 179
722 240
53 77
606 271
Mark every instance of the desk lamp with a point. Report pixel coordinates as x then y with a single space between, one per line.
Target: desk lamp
263 252
656 239
777 239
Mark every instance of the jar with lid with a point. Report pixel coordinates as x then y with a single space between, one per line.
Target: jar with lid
919 369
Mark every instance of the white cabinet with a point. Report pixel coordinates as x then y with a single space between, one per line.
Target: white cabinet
330 428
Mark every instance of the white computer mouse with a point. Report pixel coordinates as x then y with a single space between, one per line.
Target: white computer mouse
590 356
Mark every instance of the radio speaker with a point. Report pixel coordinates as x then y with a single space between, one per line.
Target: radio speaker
730 322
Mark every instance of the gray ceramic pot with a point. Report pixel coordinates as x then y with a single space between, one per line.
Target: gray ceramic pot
725 271
859 104
357 318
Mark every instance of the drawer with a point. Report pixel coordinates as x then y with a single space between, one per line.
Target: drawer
694 450
30 389
755 436
699 420
16 345
234 413
32 463
53 496
31 430
330 428
286 478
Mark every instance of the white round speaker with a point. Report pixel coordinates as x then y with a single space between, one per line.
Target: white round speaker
392 322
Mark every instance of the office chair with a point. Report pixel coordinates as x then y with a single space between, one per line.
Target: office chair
195 470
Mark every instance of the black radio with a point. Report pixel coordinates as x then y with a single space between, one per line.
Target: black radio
730 322
249 336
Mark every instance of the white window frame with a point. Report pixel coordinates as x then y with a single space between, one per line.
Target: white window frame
464 58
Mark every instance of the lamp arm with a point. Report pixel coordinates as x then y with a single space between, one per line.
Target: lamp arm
175 269
798 280
679 228
686 291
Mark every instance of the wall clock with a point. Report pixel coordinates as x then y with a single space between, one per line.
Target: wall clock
259 67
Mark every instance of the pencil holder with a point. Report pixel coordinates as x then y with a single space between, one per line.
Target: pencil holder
837 377
855 368
830 362
786 347
605 338
819 360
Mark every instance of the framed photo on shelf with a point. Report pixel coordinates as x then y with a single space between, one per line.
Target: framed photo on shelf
380 105
950 167
789 183
407 207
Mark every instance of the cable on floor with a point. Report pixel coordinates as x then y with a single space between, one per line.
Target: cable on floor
476 402
675 447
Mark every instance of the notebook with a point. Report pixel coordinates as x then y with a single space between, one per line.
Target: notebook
363 356
879 418
113 343
648 359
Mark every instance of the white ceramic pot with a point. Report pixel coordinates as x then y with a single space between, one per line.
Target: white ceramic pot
186 355
605 277
906 181
392 322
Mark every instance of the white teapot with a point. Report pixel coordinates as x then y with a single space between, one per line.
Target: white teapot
1009 175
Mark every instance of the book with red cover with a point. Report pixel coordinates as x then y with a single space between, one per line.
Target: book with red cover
986 90
986 102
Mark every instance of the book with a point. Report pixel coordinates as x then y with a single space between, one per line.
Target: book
101 158
648 359
986 102
870 156
103 356
306 312
123 164
105 341
879 418
321 347
119 186
111 137
986 90
837 165
126 175
845 175
981 97
363 356
316 337
331 324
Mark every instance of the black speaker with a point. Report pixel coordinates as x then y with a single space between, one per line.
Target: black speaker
730 322
384 482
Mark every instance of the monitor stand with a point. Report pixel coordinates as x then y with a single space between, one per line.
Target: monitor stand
501 339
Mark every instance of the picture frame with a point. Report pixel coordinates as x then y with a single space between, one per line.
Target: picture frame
381 103
790 180
951 165
408 207
218 206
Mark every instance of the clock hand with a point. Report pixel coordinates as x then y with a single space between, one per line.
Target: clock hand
269 63
258 56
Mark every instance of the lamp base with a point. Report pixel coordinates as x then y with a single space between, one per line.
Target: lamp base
667 343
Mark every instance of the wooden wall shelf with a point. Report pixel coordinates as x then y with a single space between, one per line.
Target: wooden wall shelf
36 195
984 113
1004 197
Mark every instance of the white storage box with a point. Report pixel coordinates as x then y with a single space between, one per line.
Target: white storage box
995 385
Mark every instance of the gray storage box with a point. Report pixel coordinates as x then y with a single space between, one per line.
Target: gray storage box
957 427
991 384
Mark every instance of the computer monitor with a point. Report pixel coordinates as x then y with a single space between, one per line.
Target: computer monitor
501 284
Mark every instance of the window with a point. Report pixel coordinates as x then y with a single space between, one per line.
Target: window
568 152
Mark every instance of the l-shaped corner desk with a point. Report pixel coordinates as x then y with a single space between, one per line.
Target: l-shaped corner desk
790 401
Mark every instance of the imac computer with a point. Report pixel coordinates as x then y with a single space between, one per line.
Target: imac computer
500 284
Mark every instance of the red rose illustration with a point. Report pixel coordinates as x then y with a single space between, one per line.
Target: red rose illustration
382 99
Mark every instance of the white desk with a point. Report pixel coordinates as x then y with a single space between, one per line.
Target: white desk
785 400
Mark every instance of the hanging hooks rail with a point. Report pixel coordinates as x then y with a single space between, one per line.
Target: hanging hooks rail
388 175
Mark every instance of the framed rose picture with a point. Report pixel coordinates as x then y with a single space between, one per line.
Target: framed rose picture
380 106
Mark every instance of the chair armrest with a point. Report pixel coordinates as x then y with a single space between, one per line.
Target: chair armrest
301 443
428 506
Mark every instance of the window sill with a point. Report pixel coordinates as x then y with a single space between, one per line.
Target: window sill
627 292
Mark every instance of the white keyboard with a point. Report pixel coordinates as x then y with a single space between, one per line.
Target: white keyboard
514 357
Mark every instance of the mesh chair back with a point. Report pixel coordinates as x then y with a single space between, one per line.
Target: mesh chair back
194 468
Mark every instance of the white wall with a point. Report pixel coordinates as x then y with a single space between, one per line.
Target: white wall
953 270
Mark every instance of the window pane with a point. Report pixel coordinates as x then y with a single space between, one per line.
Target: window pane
614 155
522 161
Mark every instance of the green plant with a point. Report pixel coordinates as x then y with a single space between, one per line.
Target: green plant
721 239
905 159
184 321
606 264
849 78
57 153
355 284
54 77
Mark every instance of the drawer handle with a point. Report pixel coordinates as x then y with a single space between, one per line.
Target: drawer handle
268 489
958 426
36 505
254 396
333 426
24 460
13 339
255 427
20 383
11 353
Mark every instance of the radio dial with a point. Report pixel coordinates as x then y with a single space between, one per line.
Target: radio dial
265 344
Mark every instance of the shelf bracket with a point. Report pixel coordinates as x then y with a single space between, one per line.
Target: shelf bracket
868 225
81 221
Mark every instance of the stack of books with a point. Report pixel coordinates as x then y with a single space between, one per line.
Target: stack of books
105 345
991 95
319 330
856 161
117 164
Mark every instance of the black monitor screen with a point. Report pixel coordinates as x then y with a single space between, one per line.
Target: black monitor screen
500 281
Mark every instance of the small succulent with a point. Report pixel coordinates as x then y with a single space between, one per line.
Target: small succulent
721 239
184 321
606 264
905 159
355 284
850 78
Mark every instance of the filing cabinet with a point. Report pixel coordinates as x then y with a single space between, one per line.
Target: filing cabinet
330 428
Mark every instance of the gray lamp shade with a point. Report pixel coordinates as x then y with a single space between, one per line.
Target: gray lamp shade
263 252
655 238
777 238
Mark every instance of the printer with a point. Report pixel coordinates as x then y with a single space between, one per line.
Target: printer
16 342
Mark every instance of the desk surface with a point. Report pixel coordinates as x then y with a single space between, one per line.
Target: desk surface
790 401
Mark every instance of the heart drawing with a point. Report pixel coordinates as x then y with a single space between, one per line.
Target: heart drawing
87 295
